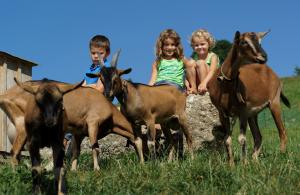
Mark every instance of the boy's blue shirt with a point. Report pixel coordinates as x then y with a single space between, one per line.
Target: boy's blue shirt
94 69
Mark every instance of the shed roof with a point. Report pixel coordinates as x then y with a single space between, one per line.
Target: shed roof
14 58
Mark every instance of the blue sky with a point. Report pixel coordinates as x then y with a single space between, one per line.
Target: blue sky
55 34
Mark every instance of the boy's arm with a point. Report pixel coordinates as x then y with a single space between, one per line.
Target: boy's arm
153 74
99 86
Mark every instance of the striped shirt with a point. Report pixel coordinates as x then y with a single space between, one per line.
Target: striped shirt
171 70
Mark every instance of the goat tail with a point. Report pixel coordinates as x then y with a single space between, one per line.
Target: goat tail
285 100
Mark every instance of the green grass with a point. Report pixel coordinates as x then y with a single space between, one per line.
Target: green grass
291 116
208 173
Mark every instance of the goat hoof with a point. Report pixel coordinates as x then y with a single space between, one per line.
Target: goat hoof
231 163
96 168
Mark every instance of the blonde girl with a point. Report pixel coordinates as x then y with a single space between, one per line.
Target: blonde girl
204 61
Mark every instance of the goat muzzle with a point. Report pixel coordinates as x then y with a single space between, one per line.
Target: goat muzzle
261 59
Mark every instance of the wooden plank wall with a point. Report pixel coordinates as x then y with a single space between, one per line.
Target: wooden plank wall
3 68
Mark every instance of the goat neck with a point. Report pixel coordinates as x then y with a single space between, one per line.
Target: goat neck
226 68
130 98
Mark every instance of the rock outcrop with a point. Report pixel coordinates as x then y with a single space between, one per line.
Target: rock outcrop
203 121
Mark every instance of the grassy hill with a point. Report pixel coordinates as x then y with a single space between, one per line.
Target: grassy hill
208 173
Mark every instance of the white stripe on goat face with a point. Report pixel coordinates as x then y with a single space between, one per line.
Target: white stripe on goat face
249 41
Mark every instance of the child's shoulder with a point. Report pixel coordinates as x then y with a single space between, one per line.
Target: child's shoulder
188 60
211 54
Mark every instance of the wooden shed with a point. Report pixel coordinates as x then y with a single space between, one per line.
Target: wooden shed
10 67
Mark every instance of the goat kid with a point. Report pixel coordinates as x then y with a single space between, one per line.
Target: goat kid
90 113
243 87
44 125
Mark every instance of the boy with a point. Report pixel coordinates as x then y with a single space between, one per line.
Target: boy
99 44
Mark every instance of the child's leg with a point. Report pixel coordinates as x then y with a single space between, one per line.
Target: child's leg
67 138
202 70
191 76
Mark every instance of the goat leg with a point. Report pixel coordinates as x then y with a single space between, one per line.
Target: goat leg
276 113
228 141
256 137
170 141
17 146
151 137
76 142
59 173
242 138
36 168
137 141
183 123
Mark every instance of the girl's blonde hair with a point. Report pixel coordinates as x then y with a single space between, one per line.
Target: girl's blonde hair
168 33
203 33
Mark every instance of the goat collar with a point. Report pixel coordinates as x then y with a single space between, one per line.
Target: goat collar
223 76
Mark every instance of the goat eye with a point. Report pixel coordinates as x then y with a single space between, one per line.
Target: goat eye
243 43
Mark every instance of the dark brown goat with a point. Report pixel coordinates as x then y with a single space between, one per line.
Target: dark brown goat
143 104
243 87
88 113
44 125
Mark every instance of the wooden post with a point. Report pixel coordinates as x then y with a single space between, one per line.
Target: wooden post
3 117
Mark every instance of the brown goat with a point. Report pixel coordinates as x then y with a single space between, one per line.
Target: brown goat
143 104
44 124
88 113
93 115
243 87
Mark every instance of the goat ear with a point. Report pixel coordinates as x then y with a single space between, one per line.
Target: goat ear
115 58
127 71
261 35
28 88
237 37
68 88
92 75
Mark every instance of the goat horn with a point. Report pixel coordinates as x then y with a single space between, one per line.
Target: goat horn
25 87
115 58
67 88
237 36
262 34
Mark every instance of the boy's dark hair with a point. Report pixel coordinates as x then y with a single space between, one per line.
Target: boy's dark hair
100 41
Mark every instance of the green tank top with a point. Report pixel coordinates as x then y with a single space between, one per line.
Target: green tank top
170 70
208 58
